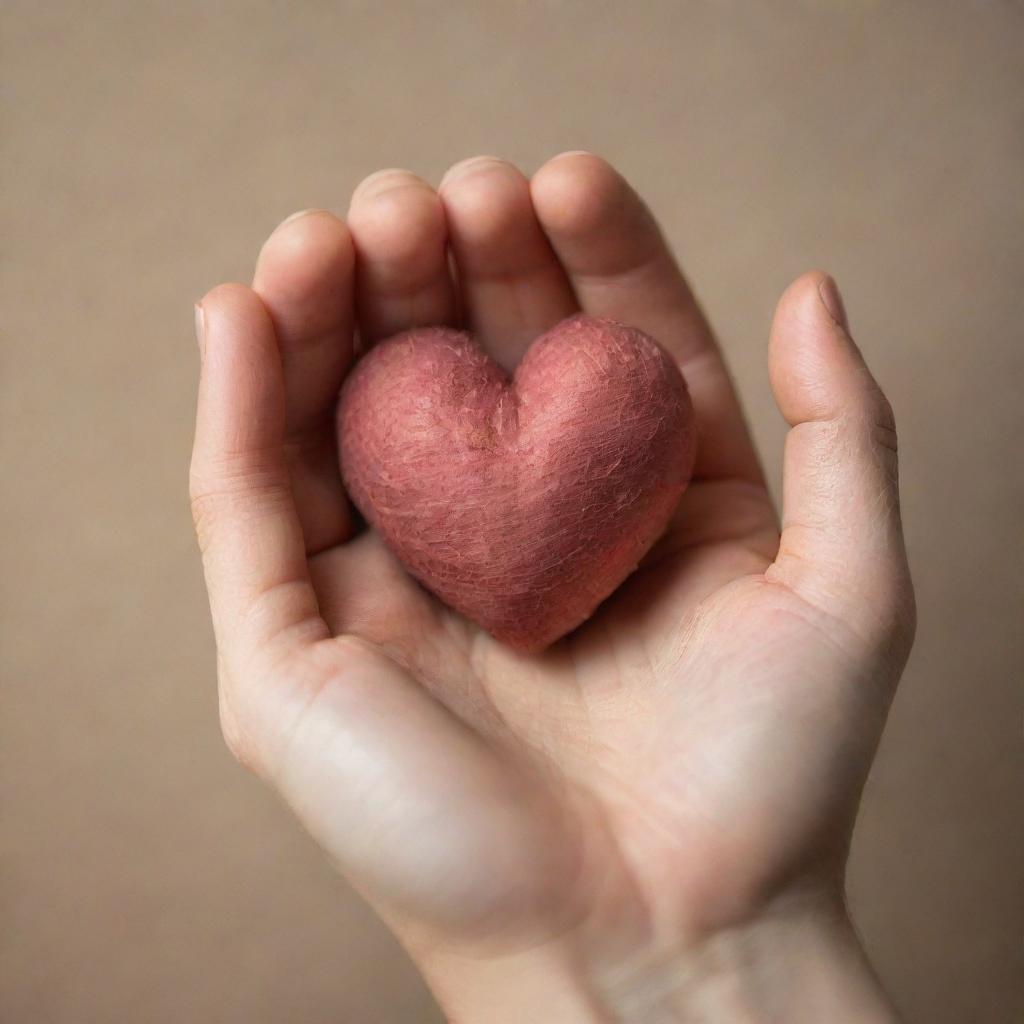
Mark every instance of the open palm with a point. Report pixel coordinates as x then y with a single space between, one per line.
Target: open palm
688 760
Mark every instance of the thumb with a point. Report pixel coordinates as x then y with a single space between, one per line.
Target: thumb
842 544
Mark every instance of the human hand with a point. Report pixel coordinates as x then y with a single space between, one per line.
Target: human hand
650 820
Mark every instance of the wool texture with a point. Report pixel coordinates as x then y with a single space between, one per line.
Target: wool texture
523 502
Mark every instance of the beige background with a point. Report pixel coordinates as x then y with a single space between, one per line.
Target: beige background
149 148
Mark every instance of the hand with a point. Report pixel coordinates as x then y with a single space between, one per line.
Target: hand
649 821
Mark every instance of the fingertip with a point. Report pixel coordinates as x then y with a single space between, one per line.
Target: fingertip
235 325
240 394
307 229
484 199
303 263
303 277
574 160
400 239
227 292
239 348
311 212
384 180
489 216
470 165
815 368
398 228
802 301
575 191
228 305
511 284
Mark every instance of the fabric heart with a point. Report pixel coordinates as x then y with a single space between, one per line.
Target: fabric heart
521 502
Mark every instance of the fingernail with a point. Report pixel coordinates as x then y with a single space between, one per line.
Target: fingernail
200 329
833 300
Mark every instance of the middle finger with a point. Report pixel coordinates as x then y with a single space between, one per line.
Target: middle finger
511 285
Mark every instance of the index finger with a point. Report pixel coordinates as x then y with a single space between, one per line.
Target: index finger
621 268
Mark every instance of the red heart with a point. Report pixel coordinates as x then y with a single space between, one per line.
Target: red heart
523 502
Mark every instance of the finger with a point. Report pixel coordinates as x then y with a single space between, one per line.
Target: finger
511 285
304 275
248 528
842 540
621 268
402 272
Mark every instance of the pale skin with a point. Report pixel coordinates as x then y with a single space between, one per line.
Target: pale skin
649 822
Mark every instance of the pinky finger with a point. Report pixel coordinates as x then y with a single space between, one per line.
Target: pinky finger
242 504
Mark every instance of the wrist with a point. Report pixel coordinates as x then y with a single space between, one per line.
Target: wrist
793 963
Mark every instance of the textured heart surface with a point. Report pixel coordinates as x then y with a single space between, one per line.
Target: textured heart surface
522 501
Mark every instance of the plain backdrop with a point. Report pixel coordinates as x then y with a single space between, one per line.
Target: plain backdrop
148 149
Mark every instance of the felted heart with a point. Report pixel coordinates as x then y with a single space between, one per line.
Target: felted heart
521 502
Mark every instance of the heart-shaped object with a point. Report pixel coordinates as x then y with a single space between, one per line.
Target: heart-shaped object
521 502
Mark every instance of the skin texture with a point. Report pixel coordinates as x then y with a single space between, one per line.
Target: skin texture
648 821
521 502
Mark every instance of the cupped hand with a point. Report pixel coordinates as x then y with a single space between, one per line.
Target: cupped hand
651 818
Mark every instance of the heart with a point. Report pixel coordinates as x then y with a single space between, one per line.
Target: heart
521 502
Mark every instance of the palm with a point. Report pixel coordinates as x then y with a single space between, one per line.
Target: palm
622 724
671 761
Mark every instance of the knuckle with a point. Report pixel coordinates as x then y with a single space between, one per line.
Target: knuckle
890 621
877 411
237 484
215 512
